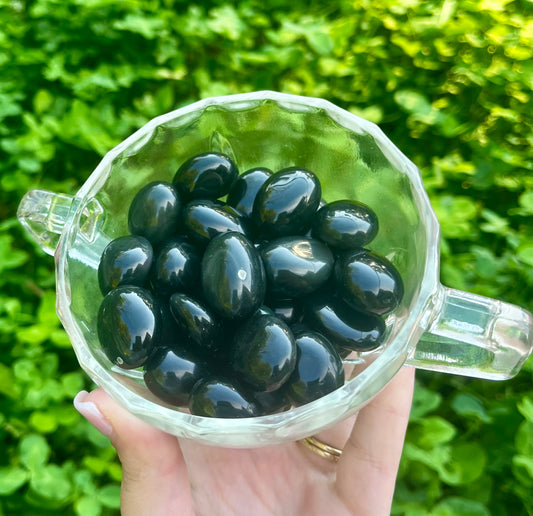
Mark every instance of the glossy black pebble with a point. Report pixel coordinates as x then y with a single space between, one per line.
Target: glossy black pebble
126 260
212 397
264 310
286 203
289 311
154 212
272 402
171 333
263 352
345 224
129 325
368 281
205 219
243 193
176 267
171 374
206 176
342 325
318 371
233 277
197 321
296 266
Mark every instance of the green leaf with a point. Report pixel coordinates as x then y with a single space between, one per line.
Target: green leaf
370 113
98 465
88 505
48 365
29 165
146 26
34 451
525 407
40 395
435 458
523 469
319 41
10 256
424 401
8 387
470 406
51 482
524 439
524 253
12 479
65 414
495 223
109 496
47 309
455 215
72 383
42 101
526 202
466 465
114 471
432 431
456 506
60 338
43 422
34 334
226 21
421 110
456 465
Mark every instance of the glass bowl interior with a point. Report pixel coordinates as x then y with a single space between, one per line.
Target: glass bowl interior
353 160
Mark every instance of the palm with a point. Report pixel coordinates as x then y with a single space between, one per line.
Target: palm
276 480
164 475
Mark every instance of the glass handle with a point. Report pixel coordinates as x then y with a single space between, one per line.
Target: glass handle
474 336
44 215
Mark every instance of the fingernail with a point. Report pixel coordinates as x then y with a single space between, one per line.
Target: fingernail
91 413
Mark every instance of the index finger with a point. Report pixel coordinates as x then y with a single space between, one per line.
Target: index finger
367 469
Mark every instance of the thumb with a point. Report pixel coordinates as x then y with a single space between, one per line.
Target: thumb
154 474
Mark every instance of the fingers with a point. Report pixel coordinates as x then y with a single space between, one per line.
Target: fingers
154 476
335 437
367 470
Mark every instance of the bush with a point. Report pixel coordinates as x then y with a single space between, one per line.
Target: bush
449 82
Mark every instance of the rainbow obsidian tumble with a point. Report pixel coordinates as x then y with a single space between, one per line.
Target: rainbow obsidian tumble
126 260
214 397
296 266
368 282
345 225
129 326
244 191
233 276
206 176
318 370
198 322
239 296
176 267
263 353
154 212
171 373
203 219
345 327
286 203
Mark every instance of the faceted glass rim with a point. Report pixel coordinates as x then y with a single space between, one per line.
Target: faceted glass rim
300 421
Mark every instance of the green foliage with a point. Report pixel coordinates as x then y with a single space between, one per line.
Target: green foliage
449 82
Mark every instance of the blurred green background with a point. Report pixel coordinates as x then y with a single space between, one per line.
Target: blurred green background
448 81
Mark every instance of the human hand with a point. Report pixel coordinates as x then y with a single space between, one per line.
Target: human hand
164 475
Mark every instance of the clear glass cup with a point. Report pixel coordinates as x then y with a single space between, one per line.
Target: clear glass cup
434 328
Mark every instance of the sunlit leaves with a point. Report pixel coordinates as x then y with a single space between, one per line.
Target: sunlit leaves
448 81
11 479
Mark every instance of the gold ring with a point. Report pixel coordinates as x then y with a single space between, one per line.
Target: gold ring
324 450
